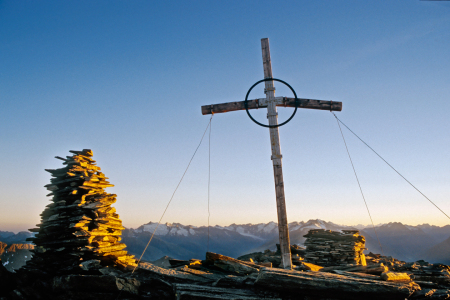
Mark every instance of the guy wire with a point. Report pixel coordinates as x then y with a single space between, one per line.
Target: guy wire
391 166
171 198
362 194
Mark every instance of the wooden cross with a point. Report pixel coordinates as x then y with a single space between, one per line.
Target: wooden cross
271 102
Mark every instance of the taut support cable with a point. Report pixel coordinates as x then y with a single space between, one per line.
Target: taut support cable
391 166
362 194
173 194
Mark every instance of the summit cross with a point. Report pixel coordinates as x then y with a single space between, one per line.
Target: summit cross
271 102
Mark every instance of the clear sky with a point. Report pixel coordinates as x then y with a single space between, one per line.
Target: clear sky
127 79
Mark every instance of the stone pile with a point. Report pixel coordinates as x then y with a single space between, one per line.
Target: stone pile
273 258
429 275
333 248
79 225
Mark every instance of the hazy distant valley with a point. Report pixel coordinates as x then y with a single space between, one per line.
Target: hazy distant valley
404 242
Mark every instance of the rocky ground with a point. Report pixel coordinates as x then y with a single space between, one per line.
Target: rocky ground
14 256
254 276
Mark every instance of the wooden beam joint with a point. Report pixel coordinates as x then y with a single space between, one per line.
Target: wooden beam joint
287 102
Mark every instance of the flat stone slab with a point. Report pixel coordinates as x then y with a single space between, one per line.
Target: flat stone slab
333 285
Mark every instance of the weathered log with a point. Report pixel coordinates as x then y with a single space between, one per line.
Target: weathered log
235 267
212 257
335 286
191 292
231 265
286 102
235 281
357 275
185 276
313 104
376 269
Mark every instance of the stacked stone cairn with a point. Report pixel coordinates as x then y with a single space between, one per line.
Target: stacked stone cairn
79 225
333 248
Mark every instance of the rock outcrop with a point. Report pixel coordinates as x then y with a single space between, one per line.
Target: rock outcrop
217 277
3 247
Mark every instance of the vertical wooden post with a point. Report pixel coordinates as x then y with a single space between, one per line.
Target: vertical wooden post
272 115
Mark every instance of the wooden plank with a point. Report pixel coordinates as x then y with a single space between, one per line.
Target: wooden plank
357 275
211 258
288 102
272 115
171 275
229 106
314 104
376 269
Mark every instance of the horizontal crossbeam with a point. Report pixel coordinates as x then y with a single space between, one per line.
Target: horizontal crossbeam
281 101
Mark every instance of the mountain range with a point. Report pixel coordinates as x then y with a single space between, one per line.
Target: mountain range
404 242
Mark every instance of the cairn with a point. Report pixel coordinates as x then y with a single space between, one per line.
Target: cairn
333 248
79 226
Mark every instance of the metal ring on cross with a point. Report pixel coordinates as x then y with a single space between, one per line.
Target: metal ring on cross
270 126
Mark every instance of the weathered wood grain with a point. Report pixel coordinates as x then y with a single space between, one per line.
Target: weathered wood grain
287 102
314 104
185 275
272 115
333 285
214 258
376 269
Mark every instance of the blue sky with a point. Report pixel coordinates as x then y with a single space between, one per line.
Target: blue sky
127 79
